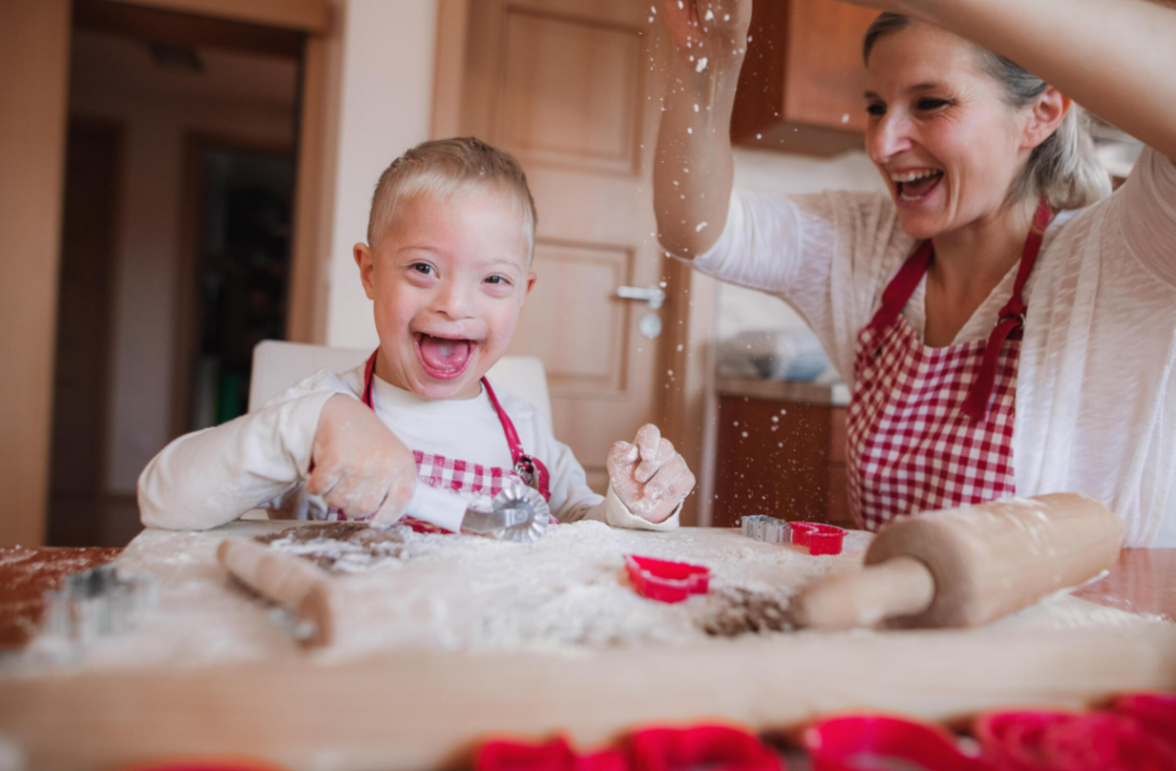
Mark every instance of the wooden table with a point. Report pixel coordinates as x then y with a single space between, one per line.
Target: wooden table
26 574
425 709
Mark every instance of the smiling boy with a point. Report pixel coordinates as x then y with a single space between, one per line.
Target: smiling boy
447 266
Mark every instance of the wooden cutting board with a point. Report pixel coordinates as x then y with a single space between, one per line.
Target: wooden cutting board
213 673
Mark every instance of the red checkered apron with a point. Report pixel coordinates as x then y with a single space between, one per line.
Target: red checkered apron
932 428
476 483
473 481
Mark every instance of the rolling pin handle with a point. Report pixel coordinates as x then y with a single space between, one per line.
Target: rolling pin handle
897 587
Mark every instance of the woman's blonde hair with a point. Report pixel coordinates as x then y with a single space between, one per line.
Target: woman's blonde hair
1064 168
443 168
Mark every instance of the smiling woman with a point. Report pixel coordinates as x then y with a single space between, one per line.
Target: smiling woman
1006 325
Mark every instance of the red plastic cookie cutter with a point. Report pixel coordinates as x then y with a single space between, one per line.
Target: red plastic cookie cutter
708 746
1065 741
818 537
1156 712
666 581
853 742
555 755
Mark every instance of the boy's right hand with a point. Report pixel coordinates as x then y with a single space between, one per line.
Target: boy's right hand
358 465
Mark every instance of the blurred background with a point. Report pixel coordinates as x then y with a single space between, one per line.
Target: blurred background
181 179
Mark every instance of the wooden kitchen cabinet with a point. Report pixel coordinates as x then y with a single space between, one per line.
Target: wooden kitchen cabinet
782 458
802 81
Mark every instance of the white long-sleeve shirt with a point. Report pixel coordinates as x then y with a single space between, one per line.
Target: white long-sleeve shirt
1095 399
260 460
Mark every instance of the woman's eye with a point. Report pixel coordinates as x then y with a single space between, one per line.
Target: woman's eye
931 104
876 109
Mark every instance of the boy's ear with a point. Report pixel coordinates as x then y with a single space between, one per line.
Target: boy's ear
1047 114
531 277
363 258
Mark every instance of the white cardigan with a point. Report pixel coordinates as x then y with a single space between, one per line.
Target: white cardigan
1096 401
260 460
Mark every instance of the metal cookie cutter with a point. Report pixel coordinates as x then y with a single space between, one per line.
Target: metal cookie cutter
97 602
764 528
519 514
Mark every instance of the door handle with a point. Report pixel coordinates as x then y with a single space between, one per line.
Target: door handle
654 295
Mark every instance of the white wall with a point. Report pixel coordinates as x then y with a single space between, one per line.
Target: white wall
386 100
742 309
144 325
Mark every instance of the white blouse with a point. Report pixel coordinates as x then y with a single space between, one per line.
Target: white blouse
1096 401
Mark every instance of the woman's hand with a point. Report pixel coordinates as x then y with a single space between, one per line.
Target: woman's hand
358 465
649 476
693 23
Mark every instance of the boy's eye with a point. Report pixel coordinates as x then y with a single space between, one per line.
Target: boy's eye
422 267
497 280
876 108
931 104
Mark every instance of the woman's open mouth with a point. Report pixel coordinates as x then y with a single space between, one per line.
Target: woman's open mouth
914 186
443 358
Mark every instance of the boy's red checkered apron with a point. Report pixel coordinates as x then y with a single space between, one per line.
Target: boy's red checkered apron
472 481
932 428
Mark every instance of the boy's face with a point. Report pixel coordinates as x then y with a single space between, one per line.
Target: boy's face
448 279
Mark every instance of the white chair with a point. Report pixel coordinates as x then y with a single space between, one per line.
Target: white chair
277 365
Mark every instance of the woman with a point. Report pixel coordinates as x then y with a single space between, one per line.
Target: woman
1006 326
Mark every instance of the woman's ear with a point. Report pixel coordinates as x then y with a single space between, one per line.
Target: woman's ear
1045 116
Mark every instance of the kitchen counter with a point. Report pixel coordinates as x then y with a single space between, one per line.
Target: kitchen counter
418 708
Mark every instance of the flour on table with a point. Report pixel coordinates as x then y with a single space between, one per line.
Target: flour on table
569 589
566 594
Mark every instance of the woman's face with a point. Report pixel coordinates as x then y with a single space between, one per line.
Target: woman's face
946 142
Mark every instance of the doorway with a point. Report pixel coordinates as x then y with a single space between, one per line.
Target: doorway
176 248
239 278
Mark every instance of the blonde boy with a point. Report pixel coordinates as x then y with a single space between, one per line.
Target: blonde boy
447 265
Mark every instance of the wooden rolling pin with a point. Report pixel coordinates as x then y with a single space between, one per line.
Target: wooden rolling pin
965 567
352 610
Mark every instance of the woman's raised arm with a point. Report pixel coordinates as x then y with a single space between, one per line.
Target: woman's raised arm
694 168
1117 58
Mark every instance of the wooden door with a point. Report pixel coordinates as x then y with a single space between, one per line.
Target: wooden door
572 89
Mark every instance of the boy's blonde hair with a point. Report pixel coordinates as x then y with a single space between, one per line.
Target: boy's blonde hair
443 168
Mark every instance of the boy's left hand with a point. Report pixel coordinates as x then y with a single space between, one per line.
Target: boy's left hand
649 477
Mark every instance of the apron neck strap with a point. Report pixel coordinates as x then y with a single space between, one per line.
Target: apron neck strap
1012 317
369 370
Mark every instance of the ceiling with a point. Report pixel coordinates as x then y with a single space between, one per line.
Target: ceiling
105 63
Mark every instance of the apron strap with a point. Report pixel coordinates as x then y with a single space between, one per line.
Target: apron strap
1012 318
898 292
527 466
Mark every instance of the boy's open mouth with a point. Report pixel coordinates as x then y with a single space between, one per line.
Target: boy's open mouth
915 186
442 357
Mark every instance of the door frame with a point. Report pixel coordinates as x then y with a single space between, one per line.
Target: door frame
687 346
34 68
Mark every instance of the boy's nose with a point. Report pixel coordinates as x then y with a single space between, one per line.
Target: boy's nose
452 299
